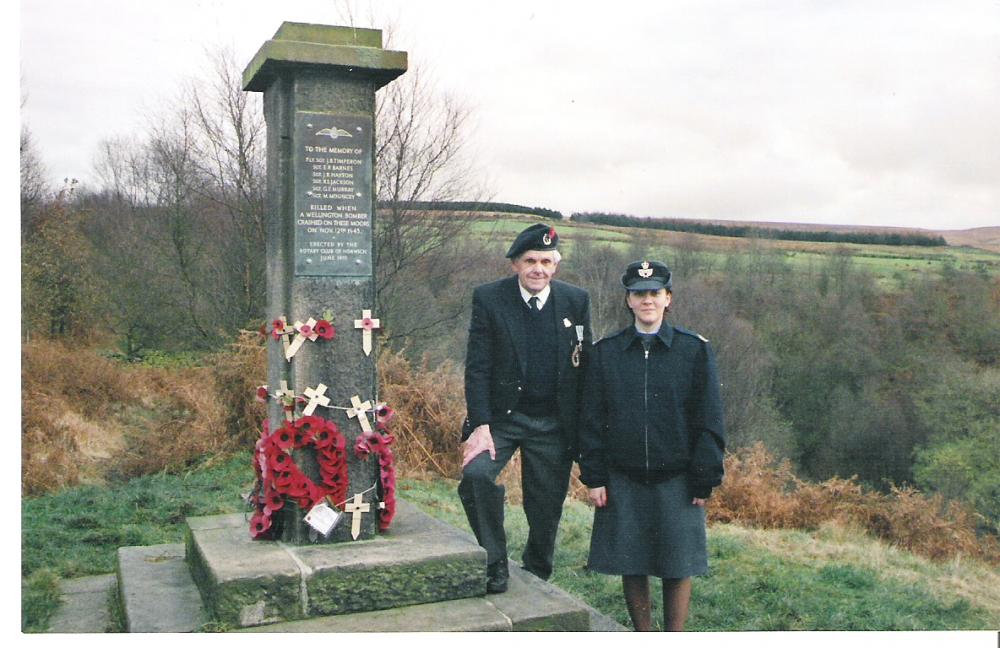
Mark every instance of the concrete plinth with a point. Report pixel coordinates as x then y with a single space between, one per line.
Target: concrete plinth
244 582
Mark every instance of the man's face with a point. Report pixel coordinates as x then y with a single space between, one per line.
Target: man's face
535 269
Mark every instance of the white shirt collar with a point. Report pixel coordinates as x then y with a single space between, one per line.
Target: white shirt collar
543 296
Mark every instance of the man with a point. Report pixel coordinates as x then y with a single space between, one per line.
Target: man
523 371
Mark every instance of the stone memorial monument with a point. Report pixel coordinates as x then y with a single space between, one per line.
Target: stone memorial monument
319 86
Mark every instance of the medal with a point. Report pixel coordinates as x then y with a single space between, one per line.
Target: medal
578 349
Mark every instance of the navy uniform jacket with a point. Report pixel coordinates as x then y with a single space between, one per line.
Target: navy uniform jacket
496 359
653 416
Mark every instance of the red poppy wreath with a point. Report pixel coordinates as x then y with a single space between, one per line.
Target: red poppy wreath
278 478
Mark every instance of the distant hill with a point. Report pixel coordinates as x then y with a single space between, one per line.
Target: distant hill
984 238
784 231
473 208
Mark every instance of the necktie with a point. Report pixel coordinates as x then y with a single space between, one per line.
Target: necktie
534 303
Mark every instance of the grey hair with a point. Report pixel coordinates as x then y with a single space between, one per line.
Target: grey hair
557 257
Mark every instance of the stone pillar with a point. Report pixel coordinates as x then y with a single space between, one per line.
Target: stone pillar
319 86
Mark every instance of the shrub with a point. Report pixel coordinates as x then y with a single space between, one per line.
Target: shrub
430 407
64 395
237 372
85 418
759 491
183 423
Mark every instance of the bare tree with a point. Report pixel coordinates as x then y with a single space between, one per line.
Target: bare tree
192 191
598 268
34 188
419 158
178 184
230 154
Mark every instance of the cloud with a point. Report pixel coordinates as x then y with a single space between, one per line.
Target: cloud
759 109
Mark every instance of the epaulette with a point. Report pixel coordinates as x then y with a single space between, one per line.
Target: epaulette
681 329
611 336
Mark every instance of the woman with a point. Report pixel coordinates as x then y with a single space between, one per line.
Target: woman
651 449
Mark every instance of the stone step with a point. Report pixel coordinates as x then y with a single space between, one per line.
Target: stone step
461 615
156 590
533 604
529 604
248 583
84 605
85 609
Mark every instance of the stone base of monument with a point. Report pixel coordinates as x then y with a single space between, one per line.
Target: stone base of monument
245 582
422 575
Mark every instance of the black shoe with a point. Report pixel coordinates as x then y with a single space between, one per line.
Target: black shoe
536 574
496 577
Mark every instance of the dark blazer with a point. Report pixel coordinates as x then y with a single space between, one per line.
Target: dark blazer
653 414
495 362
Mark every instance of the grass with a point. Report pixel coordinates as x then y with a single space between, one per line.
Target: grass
829 579
39 599
77 531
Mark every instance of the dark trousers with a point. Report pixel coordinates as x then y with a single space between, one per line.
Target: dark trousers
545 467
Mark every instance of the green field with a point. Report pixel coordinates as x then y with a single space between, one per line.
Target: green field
888 265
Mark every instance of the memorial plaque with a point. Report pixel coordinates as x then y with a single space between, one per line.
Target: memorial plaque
333 195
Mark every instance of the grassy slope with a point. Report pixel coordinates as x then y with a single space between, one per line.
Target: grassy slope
76 532
830 579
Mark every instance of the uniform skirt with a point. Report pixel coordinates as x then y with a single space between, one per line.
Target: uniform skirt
648 530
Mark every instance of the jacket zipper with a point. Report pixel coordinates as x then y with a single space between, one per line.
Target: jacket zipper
645 406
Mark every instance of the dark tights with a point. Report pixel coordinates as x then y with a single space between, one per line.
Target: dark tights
676 596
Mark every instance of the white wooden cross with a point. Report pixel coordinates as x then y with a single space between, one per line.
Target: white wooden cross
315 397
367 324
283 391
356 508
358 410
300 339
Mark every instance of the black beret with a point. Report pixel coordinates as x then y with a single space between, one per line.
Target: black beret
646 275
537 237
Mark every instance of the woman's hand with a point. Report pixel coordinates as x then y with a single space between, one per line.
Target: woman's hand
598 496
698 501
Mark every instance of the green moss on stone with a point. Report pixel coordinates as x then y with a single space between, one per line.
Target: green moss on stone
345 590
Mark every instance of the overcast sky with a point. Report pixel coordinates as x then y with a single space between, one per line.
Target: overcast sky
827 111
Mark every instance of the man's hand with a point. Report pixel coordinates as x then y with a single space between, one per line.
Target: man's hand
479 441
697 501
598 496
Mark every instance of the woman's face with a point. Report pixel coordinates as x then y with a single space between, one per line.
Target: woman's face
648 306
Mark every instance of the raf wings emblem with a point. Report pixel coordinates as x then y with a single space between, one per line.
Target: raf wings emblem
334 133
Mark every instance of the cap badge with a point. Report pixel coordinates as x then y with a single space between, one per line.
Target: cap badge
547 236
645 271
